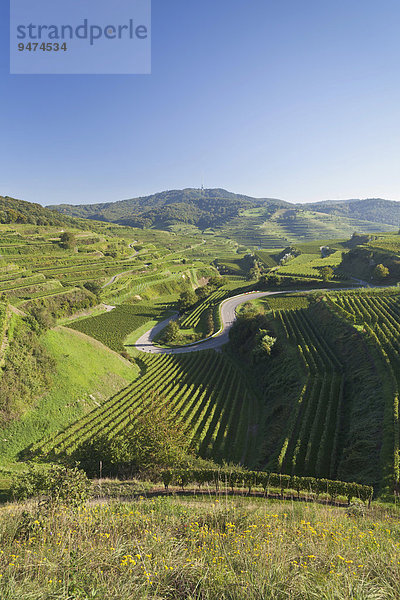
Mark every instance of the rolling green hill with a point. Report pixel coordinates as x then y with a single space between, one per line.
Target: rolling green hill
253 222
85 373
202 208
262 229
20 211
376 210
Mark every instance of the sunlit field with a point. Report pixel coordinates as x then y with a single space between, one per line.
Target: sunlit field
199 548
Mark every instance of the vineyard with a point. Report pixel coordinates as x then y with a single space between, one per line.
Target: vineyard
379 316
280 228
308 265
289 302
211 303
204 391
3 329
323 404
113 327
32 269
388 243
330 400
310 445
35 266
267 258
328 395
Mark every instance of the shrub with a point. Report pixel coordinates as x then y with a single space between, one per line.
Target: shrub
67 240
154 441
93 287
356 509
57 485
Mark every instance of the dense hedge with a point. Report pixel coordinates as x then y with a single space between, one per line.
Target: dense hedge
239 478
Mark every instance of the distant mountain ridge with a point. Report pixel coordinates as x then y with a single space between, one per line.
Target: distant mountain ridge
217 207
202 208
251 222
376 210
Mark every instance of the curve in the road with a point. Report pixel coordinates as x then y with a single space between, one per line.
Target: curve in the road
228 317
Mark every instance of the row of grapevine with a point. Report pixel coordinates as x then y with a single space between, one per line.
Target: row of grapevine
20 282
203 391
193 318
4 318
234 478
380 316
291 302
309 438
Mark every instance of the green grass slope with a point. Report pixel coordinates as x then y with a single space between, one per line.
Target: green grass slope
86 374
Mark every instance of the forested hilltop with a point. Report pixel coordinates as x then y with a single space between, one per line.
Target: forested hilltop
203 208
253 222
20 211
376 210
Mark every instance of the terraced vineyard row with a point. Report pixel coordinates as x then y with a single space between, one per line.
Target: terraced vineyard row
310 440
210 303
255 236
5 318
17 282
204 392
380 316
290 302
267 258
37 280
35 266
387 242
40 288
308 265
3 322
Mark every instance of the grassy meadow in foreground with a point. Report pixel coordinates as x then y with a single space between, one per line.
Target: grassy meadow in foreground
199 548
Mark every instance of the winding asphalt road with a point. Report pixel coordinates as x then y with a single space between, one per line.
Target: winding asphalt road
228 317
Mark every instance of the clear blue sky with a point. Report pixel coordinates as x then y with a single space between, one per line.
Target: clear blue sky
279 98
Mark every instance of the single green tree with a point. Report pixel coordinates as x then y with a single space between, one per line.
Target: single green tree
202 292
248 310
380 272
326 273
264 343
187 299
216 281
156 440
171 332
67 240
153 440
